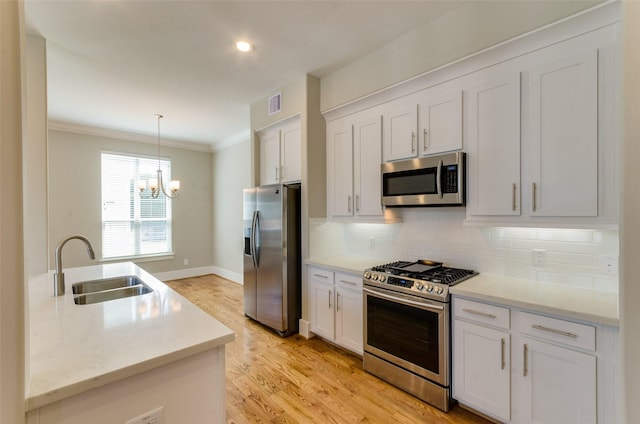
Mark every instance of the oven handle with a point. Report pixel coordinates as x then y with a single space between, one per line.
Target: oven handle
405 301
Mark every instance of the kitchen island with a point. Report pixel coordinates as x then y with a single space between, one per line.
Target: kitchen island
121 359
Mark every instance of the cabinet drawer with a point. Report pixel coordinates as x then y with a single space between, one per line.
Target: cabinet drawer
349 281
317 275
569 333
492 315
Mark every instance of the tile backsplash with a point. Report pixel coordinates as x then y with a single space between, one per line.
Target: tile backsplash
580 258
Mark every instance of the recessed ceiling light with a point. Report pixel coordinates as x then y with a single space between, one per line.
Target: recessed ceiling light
244 46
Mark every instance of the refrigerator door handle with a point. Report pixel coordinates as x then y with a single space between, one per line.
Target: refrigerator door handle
255 247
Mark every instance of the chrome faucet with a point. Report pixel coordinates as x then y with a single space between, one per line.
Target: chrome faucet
58 277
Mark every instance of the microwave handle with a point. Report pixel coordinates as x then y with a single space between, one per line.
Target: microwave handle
439 179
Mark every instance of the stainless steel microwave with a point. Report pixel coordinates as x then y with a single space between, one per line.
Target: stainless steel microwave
437 180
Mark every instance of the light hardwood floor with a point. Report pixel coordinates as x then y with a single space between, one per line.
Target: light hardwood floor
294 380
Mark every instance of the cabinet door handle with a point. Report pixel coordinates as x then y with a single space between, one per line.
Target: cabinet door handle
425 144
276 173
357 203
534 189
524 360
502 363
482 314
513 204
353 283
320 276
554 331
349 203
413 142
330 296
338 301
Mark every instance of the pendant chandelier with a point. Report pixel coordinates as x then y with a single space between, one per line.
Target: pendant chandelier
156 185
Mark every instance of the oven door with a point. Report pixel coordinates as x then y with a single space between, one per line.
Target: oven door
408 331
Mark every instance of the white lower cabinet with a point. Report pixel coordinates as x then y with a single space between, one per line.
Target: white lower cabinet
335 307
520 367
558 384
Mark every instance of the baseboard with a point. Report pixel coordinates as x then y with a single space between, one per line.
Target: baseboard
229 275
184 273
304 329
195 272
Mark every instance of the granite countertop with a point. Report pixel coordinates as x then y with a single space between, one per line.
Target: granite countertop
74 348
565 301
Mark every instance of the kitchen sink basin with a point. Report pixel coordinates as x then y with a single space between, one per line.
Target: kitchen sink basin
105 284
96 291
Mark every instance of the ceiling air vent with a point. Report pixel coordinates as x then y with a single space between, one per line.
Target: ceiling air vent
275 103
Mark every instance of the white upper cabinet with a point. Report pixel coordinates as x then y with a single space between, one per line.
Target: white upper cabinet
354 157
440 121
400 123
270 157
493 144
367 143
340 168
563 135
540 135
280 154
424 123
290 153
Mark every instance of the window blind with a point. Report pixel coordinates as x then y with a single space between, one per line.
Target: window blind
133 225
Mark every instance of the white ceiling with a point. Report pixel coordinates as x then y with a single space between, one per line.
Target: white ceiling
113 64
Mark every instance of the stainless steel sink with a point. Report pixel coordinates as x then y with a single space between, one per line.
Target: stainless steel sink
95 291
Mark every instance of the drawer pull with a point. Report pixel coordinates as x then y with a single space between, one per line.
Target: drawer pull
524 360
554 331
353 283
502 363
320 276
482 314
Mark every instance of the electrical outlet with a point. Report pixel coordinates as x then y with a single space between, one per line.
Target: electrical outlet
538 257
372 242
609 265
152 417
186 261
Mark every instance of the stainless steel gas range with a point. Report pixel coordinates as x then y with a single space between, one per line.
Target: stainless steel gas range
407 327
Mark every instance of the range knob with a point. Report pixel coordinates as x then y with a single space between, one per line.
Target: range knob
439 290
367 275
420 286
374 277
429 288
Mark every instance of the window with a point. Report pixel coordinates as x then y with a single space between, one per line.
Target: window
133 225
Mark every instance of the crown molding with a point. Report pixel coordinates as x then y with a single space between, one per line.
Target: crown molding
230 141
123 135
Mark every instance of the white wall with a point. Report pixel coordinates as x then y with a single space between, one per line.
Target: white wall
75 205
231 174
12 280
35 149
630 222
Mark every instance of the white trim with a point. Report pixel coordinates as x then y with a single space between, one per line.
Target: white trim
231 141
184 273
196 272
123 135
139 259
304 329
229 275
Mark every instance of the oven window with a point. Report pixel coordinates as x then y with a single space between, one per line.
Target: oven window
405 332
421 181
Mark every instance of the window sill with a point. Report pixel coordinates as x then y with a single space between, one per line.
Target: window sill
139 259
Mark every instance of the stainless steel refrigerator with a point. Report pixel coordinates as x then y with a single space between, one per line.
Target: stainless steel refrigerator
272 256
